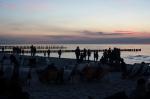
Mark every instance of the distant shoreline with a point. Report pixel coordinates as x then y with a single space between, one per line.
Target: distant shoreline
76 43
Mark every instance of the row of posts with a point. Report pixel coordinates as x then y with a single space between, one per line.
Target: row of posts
80 54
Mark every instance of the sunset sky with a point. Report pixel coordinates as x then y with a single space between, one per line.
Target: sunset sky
75 20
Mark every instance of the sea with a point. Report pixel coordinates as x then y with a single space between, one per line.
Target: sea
129 57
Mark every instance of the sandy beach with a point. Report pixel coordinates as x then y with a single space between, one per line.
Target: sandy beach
98 90
108 85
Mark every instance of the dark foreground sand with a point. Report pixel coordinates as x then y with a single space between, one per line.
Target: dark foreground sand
108 85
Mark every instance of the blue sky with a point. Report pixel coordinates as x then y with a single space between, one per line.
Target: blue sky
79 18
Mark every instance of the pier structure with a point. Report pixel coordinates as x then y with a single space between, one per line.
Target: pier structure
27 47
54 49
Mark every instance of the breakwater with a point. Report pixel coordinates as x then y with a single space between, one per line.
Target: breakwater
44 50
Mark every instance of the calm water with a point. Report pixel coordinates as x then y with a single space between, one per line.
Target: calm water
130 57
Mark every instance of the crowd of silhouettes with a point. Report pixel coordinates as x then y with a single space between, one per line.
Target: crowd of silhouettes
111 56
85 54
16 50
96 55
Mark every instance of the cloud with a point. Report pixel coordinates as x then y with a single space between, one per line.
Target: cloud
86 32
72 39
66 37
128 32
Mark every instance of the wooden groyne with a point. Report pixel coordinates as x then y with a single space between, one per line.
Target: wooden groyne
27 47
70 51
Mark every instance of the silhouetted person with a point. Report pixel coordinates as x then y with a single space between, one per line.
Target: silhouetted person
34 51
77 53
22 51
89 54
2 49
14 49
96 55
48 52
84 53
19 50
116 55
109 55
59 53
81 57
105 56
31 49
